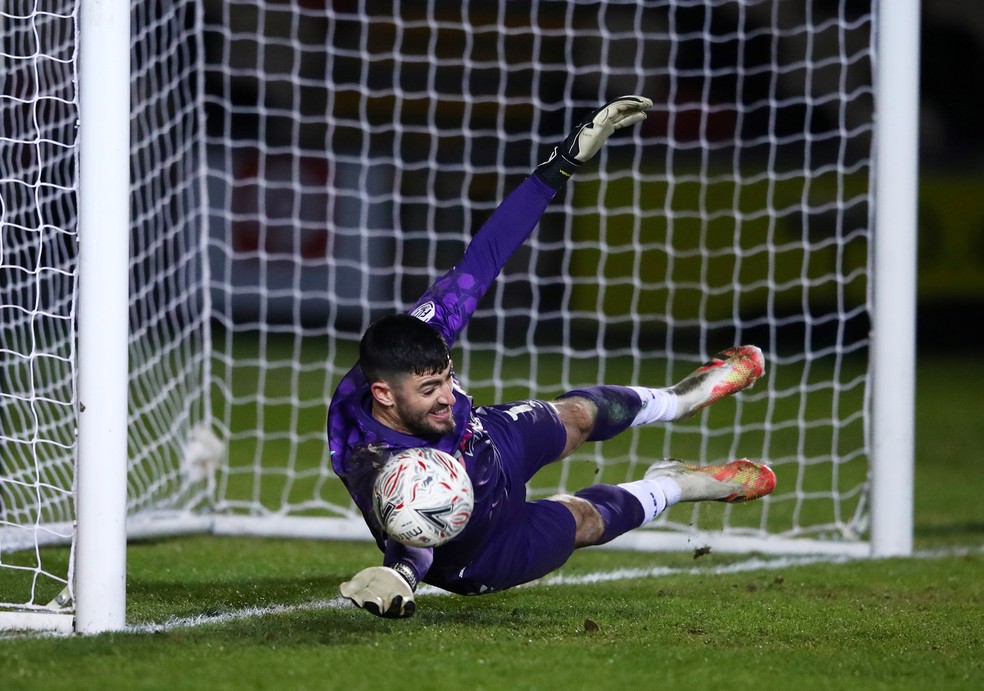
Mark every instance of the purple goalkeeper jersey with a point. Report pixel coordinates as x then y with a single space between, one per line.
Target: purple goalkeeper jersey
356 439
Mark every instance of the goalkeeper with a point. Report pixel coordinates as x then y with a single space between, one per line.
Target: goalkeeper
404 394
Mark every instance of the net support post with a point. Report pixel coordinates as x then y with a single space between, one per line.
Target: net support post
894 278
104 180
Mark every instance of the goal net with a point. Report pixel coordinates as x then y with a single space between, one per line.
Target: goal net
300 169
353 152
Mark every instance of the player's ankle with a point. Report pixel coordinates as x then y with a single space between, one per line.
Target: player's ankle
658 405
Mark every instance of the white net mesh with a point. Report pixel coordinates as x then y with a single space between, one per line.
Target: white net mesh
37 281
168 293
299 170
386 135
39 194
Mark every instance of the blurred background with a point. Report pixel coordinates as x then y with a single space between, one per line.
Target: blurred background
951 202
951 198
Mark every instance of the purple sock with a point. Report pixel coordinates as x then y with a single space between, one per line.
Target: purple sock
617 408
619 509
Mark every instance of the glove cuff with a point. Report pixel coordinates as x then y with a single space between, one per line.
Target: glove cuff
556 170
407 573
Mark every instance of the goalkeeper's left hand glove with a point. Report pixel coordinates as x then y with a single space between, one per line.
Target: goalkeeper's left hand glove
589 135
382 591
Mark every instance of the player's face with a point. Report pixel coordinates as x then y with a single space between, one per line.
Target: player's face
423 404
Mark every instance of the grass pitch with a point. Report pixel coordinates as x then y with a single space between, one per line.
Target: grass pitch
224 613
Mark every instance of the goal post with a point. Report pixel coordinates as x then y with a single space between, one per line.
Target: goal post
893 358
252 183
103 311
103 300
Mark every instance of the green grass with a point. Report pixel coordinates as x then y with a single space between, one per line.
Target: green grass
891 624
898 623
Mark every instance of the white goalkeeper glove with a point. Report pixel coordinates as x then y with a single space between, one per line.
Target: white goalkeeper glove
381 590
589 135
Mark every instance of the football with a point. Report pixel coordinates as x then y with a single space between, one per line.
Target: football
423 497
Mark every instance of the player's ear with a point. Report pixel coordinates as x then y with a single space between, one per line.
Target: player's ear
382 393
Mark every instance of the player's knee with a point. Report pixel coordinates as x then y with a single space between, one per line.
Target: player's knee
589 524
578 415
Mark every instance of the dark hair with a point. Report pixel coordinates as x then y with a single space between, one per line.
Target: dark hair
401 344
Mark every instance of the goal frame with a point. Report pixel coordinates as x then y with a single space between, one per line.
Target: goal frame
98 565
99 553
104 269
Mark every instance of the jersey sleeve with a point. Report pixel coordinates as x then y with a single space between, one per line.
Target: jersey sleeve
419 559
450 302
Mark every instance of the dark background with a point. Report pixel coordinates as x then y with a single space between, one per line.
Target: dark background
951 200
951 195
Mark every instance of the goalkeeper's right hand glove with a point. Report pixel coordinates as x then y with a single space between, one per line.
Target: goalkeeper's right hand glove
381 590
589 135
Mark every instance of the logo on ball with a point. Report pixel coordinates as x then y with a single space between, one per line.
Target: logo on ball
423 497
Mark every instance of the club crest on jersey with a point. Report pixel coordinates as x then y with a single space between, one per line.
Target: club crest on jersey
424 312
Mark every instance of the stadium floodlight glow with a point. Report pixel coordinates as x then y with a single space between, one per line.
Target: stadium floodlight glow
297 171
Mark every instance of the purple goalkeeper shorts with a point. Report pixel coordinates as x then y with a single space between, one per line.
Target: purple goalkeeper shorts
535 540
524 540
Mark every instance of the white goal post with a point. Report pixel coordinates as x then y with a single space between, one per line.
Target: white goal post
203 204
103 309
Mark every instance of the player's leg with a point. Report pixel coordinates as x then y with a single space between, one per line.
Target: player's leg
603 512
538 537
597 413
531 539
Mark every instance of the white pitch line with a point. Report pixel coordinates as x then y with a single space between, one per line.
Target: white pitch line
237 615
755 564
747 565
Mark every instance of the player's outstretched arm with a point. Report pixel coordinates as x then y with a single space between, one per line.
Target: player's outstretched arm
589 135
382 591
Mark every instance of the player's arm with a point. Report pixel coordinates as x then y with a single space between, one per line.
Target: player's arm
387 591
450 302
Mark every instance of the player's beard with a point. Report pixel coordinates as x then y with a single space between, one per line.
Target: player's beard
420 425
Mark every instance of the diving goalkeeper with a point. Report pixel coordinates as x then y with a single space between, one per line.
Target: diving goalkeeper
403 393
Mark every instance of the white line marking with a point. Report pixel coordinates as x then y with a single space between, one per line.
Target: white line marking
744 566
238 615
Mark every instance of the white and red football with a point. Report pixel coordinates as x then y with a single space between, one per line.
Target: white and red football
423 497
